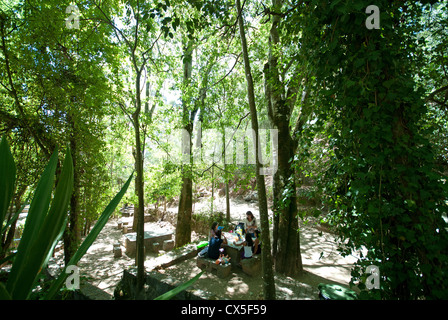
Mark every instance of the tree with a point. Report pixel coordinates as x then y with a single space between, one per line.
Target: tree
183 230
280 106
197 16
432 75
267 270
138 44
50 80
384 192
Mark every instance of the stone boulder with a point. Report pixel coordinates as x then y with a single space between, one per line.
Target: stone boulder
251 266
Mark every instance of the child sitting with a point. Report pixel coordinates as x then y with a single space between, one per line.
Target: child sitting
248 244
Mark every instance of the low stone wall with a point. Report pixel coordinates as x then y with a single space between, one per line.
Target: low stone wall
222 271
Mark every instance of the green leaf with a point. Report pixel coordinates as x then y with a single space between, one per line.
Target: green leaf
56 219
176 23
170 294
334 3
8 177
38 250
89 239
189 25
4 294
36 215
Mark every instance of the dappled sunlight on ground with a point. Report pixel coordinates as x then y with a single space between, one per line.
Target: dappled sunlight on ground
98 266
237 286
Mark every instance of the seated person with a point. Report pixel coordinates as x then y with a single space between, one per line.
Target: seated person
215 244
250 223
256 249
213 230
248 244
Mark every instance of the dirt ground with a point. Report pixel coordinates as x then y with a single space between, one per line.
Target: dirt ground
322 264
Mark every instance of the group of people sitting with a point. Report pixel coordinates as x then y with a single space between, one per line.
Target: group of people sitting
251 247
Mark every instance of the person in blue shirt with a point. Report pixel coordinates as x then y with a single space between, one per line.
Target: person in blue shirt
215 244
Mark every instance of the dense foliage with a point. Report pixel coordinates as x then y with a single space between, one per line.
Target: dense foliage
361 113
383 186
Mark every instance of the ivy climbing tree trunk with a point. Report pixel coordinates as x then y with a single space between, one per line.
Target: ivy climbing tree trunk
386 194
287 245
266 257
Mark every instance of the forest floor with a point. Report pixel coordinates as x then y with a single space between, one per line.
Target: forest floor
100 272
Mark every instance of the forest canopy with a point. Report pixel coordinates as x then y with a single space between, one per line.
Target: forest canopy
353 100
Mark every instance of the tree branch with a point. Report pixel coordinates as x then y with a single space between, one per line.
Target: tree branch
236 61
126 112
116 30
434 93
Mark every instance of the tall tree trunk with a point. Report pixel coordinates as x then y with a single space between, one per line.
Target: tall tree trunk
227 197
8 237
149 112
140 256
213 189
266 258
183 228
226 175
135 213
287 258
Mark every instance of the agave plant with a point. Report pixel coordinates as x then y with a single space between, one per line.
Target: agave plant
44 225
